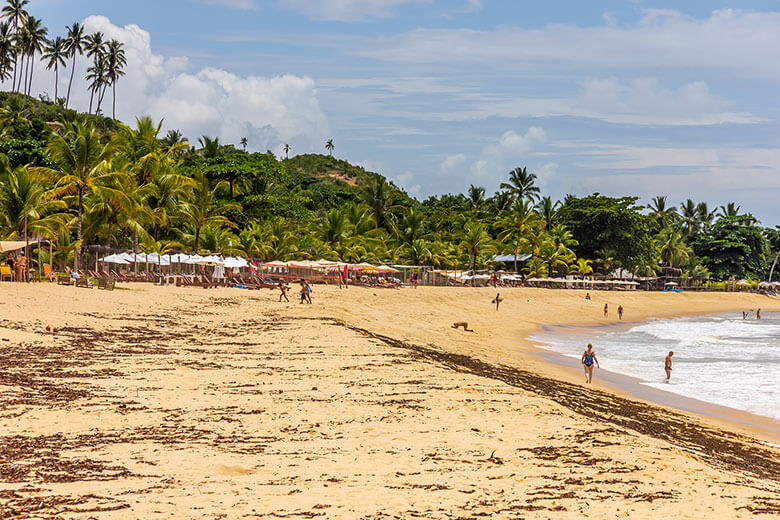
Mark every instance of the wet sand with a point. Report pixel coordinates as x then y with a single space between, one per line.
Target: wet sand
153 402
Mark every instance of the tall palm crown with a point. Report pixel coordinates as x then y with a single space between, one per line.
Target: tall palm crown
94 46
663 215
7 50
115 63
17 15
286 151
55 56
35 43
329 146
74 46
522 184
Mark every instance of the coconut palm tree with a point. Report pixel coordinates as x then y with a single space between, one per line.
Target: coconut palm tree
705 216
17 15
55 54
329 146
80 161
519 226
94 47
7 50
200 208
334 227
689 217
418 252
536 268
475 199
672 248
582 266
25 205
244 142
522 184
74 46
664 216
475 240
115 62
729 210
34 42
545 208
380 198
286 151
209 147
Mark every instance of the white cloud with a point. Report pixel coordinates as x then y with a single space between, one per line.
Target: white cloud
268 111
452 163
508 151
233 4
346 10
642 101
730 39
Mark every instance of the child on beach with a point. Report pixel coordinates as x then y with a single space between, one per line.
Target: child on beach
588 358
668 365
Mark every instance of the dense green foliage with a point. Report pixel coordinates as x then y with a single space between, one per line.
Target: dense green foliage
82 182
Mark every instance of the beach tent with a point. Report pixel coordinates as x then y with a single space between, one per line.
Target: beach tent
209 260
511 258
156 259
388 269
12 246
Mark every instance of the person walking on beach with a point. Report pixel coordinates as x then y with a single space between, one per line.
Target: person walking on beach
606 310
758 314
497 300
283 289
307 291
620 312
303 292
588 358
668 365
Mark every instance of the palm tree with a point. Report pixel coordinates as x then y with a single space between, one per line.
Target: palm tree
74 46
37 43
201 208
17 15
209 147
582 266
522 184
501 201
80 160
672 248
286 151
94 46
55 54
475 198
689 217
334 227
329 146
7 50
536 268
380 198
729 210
244 142
546 210
410 226
704 216
518 226
115 62
663 216
418 252
25 205
475 240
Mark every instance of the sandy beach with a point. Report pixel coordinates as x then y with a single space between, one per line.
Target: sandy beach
163 402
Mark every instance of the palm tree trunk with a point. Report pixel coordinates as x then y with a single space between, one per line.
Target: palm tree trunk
772 270
110 229
70 83
91 95
113 100
56 82
77 252
13 83
135 250
197 239
32 69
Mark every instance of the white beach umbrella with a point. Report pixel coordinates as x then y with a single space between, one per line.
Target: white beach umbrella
115 259
235 262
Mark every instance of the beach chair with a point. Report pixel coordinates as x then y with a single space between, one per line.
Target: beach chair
106 283
84 283
64 280
48 274
6 272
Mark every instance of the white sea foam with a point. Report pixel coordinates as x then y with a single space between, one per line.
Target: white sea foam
721 359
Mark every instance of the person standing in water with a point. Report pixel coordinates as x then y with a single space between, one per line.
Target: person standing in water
668 365
588 358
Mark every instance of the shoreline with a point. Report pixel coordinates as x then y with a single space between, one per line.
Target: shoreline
633 387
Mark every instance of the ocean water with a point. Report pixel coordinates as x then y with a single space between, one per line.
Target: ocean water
720 359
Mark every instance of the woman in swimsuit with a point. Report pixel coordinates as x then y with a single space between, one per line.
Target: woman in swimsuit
588 358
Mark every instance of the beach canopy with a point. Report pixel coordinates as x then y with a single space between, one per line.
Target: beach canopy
115 259
511 258
235 262
671 283
11 246
388 269
209 260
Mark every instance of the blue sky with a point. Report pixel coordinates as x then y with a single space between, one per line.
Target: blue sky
620 97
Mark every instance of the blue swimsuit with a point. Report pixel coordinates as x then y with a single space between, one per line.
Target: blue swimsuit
588 361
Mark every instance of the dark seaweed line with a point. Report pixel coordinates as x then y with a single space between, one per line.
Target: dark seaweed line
718 448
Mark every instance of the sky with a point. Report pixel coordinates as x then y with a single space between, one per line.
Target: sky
620 97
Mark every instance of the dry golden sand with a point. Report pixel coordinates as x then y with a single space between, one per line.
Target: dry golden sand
158 402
